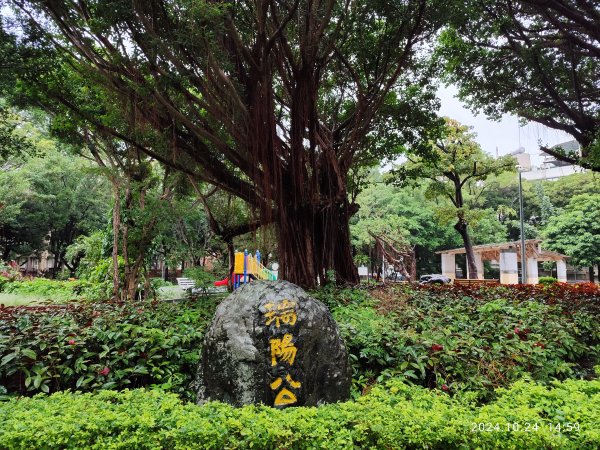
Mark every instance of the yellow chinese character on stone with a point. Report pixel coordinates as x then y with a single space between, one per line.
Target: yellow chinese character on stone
285 396
282 312
287 312
295 384
283 349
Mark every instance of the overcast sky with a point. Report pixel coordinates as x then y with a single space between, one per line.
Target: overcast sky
506 135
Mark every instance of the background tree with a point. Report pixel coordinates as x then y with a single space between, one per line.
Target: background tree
67 200
561 191
539 60
272 102
456 169
143 194
186 238
576 231
542 199
14 191
12 143
405 215
13 187
51 196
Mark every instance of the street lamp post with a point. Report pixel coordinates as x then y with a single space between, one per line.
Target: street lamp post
521 220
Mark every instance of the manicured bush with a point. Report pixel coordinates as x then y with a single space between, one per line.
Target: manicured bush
391 416
201 277
89 347
472 339
547 280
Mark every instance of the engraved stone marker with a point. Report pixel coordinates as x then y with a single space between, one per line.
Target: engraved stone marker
271 343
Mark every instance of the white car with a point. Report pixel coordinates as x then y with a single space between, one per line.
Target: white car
434 279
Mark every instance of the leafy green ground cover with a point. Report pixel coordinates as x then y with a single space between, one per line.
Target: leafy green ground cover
470 339
21 291
89 347
392 416
452 338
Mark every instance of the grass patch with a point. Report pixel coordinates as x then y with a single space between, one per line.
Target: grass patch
170 293
24 299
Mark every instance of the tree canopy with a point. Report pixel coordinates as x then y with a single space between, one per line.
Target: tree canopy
455 170
539 60
48 198
271 101
272 113
576 231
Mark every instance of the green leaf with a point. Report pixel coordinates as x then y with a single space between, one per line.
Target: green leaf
8 358
29 353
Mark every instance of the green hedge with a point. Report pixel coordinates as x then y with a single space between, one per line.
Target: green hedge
393 416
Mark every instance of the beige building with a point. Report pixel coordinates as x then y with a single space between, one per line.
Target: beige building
36 264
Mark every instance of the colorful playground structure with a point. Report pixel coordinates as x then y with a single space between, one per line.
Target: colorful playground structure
246 268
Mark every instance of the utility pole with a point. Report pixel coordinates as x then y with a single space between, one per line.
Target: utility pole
521 220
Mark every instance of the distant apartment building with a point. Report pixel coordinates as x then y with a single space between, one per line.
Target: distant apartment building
550 168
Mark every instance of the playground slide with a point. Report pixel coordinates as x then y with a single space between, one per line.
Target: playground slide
225 281
246 268
222 282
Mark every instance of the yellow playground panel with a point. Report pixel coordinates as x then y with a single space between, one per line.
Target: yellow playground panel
247 267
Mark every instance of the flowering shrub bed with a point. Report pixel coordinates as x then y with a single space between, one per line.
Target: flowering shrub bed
88 347
582 297
391 416
460 338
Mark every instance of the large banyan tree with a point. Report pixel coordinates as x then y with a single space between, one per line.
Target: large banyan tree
272 101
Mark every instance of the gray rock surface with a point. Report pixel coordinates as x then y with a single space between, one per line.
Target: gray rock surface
271 343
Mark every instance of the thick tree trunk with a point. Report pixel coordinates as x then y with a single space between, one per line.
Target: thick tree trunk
127 282
338 232
132 280
311 197
591 274
312 243
297 248
461 227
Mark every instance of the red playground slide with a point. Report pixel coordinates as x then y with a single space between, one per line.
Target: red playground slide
222 282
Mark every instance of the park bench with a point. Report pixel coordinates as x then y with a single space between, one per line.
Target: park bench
187 284
467 282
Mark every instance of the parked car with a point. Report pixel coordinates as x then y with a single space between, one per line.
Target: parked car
434 279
